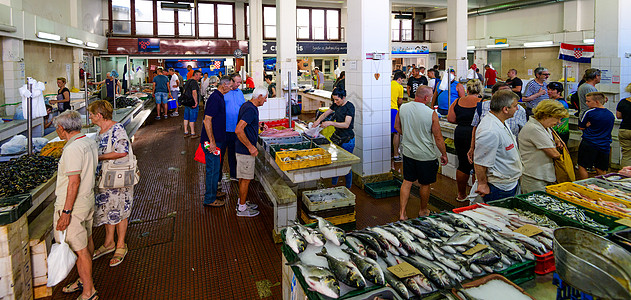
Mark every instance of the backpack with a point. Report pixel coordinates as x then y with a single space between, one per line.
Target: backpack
186 98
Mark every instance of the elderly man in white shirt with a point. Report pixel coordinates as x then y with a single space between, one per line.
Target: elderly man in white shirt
498 165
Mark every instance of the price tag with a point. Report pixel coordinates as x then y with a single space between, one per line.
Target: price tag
624 221
476 249
404 270
529 230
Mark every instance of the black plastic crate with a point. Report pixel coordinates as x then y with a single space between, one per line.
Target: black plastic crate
14 207
383 189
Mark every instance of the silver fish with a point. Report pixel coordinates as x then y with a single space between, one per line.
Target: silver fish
368 267
332 233
356 245
319 279
294 240
311 236
462 238
396 284
387 235
344 270
419 234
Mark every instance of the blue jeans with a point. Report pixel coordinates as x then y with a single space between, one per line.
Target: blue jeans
228 149
175 94
350 146
213 173
497 194
190 114
161 98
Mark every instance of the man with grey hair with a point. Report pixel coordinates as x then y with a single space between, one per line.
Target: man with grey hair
213 138
247 132
592 78
498 165
536 90
234 99
74 206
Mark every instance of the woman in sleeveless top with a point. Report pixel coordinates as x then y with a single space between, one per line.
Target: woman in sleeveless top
63 96
461 112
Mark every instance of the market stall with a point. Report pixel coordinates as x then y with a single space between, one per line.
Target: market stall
314 99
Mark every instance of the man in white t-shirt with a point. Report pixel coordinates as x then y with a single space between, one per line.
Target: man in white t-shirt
174 86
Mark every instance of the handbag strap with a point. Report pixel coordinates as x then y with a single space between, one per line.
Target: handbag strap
110 144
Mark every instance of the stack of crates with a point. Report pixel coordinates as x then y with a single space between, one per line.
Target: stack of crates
340 212
16 278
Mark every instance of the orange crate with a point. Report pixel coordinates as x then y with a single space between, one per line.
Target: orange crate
560 190
292 163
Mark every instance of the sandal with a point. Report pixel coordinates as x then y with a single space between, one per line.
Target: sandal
76 286
92 297
119 255
102 251
217 203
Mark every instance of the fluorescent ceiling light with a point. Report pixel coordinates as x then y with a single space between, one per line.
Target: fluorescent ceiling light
497 46
539 44
48 36
470 47
74 41
92 44
588 41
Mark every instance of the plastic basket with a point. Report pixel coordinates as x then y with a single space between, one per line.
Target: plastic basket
288 160
560 189
604 184
623 238
520 272
274 148
327 213
171 104
281 122
383 189
545 263
14 207
566 292
348 200
267 141
601 218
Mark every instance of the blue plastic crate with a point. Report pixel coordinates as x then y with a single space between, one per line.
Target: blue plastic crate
566 292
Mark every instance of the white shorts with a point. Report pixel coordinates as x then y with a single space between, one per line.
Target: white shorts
245 166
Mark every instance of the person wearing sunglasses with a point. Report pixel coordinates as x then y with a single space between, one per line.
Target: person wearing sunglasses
536 90
592 78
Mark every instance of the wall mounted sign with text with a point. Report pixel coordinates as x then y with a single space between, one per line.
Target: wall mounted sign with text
303 48
148 45
410 48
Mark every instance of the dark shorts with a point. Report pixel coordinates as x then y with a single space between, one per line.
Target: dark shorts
462 143
423 171
393 117
589 156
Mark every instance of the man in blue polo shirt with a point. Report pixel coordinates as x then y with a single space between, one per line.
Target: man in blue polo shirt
234 99
596 124
247 132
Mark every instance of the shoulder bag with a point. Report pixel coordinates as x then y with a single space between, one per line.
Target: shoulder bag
115 176
563 166
186 98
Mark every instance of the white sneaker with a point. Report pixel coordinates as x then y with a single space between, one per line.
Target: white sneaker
175 114
249 204
248 213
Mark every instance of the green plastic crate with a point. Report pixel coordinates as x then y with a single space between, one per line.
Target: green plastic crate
598 217
383 189
14 207
520 272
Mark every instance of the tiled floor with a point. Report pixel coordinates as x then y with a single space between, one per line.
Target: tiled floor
182 250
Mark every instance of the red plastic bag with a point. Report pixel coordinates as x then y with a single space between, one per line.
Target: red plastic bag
200 156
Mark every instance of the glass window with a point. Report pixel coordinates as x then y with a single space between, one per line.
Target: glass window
247 21
333 24
269 18
224 21
302 23
166 20
206 19
317 24
406 30
121 17
186 22
395 29
144 17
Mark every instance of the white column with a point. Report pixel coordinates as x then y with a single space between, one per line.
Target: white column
239 22
77 59
285 44
13 69
457 36
612 32
481 59
367 33
256 42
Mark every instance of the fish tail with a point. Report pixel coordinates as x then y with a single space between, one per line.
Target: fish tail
323 252
294 262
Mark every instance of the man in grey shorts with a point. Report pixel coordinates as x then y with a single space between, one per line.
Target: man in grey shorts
247 132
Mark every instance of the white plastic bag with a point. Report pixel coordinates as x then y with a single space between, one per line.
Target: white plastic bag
16 145
61 260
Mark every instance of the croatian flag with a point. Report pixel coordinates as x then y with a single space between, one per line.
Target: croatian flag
577 53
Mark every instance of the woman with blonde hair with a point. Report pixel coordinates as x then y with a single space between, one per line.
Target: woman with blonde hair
623 111
538 147
63 96
461 112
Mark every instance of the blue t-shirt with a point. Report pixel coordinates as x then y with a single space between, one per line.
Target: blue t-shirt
162 84
215 108
249 113
234 100
598 134
443 101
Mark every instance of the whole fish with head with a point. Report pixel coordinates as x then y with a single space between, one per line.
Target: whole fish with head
415 231
427 224
403 239
448 262
319 279
370 242
423 282
470 222
412 286
507 250
356 245
462 238
486 257
344 270
378 237
485 220
528 241
450 272
441 224
429 232
434 273
454 222
368 267
399 232
332 233
396 284
485 233
422 251
294 240
312 236
387 235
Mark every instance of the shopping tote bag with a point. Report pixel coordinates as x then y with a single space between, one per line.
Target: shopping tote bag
60 261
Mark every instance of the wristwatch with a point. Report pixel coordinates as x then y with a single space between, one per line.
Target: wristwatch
67 211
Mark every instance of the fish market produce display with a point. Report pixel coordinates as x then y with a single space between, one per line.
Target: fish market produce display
611 192
123 101
540 219
54 149
272 132
607 204
326 197
564 209
434 245
495 289
21 175
618 179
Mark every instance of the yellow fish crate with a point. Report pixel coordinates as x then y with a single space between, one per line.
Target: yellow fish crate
565 190
300 159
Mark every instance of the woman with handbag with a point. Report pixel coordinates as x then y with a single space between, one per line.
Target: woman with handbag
113 205
538 147
343 120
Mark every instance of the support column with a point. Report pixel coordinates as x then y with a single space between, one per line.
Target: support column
481 59
255 48
367 33
77 59
239 22
13 69
285 44
457 36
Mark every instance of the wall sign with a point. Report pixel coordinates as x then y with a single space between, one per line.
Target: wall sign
303 48
410 48
130 46
148 45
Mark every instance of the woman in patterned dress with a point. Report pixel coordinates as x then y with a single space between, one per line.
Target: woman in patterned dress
113 206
